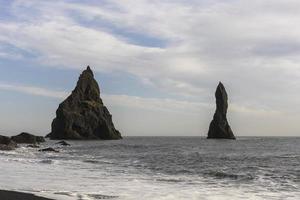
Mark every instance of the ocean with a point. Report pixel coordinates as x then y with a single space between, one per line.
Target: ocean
158 168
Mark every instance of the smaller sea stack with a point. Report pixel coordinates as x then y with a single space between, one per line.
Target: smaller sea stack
219 127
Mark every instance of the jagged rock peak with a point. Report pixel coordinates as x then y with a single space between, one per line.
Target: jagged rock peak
87 87
88 71
221 99
219 127
82 115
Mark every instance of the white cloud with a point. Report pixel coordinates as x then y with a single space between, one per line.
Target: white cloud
168 105
206 42
153 104
33 90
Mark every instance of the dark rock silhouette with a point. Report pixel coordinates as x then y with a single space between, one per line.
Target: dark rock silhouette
12 195
49 150
6 143
40 139
27 138
219 127
63 143
82 115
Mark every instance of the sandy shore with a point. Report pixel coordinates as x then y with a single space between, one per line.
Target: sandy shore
10 195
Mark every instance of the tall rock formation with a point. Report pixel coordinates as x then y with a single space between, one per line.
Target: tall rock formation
82 115
219 127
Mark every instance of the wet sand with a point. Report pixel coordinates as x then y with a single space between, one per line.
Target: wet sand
10 195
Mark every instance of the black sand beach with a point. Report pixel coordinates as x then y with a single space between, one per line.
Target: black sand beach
10 195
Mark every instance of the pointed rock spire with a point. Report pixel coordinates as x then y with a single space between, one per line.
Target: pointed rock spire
82 115
219 127
88 70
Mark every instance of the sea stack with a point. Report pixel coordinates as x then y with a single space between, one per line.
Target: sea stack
219 127
83 116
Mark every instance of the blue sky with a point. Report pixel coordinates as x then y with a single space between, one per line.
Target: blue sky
157 63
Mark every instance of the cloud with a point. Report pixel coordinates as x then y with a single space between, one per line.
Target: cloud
247 44
152 104
33 90
166 105
251 46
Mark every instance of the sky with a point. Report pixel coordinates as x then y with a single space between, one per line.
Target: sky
158 63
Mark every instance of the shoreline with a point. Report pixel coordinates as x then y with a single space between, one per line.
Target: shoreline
13 195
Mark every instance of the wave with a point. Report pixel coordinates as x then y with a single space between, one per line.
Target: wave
91 161
101 196
46 161
288 156
97 161
130 146
225 175
170 180
85 196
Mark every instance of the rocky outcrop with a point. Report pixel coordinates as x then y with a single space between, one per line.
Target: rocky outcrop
219 127
83 115
40 139
27 138
6 143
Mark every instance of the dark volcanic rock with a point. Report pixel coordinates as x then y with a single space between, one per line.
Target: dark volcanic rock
63 143
27 138
6 143
40 139
49 149
219 127
82 115
4 140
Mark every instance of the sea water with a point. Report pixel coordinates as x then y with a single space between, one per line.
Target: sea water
157 168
